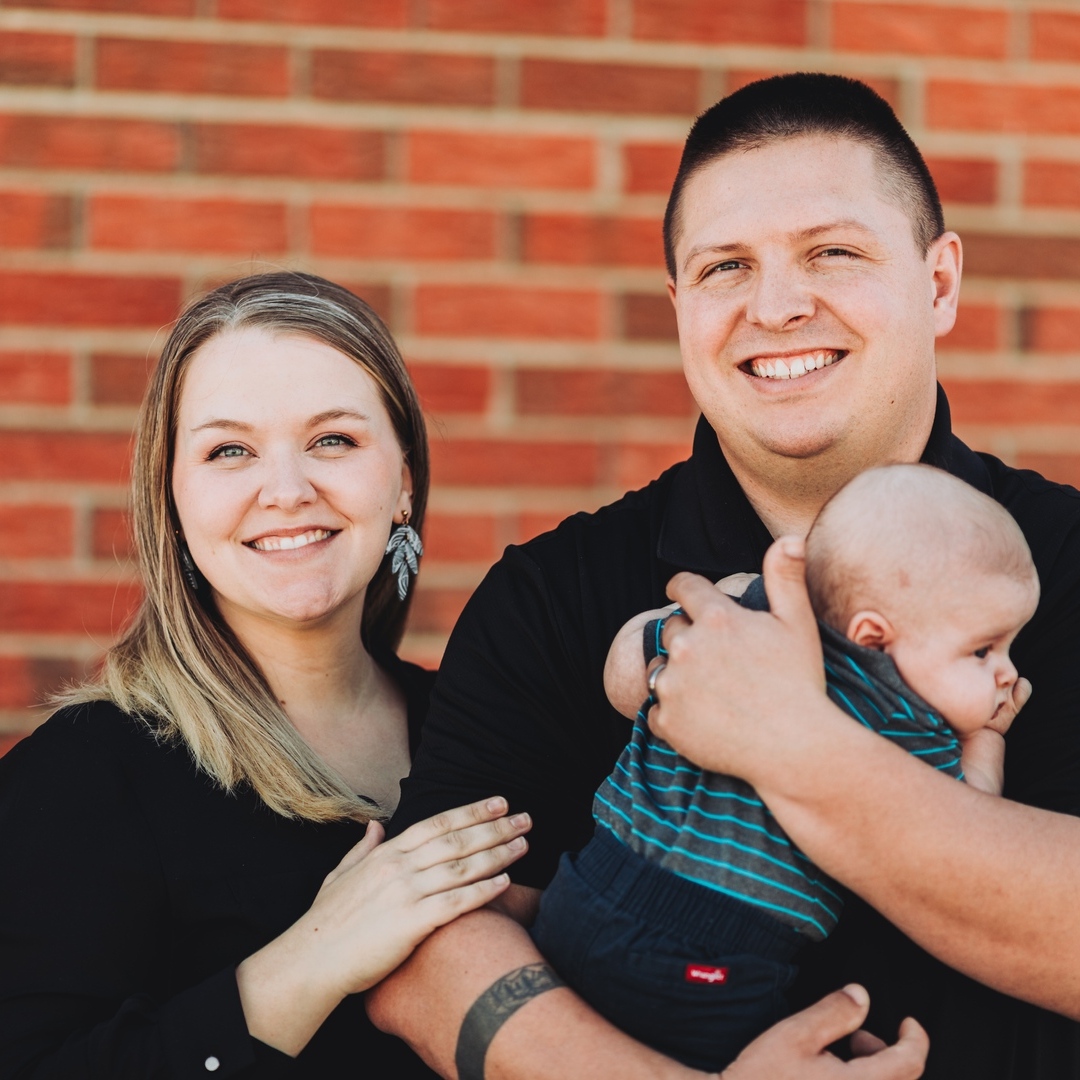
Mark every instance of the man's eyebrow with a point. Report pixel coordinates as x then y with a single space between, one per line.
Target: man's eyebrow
319 418
802 234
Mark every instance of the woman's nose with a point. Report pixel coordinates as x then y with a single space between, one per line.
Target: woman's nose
285 483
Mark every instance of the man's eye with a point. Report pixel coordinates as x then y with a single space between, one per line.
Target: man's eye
839 252
231 450
983 652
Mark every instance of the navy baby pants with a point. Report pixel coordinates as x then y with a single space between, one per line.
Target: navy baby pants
681 967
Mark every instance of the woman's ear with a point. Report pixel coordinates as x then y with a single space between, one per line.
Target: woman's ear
871 630
404 506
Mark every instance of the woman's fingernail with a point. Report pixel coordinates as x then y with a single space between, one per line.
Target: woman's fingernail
497 805
517 844
519 821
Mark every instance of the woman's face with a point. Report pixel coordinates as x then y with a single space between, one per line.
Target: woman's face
287 477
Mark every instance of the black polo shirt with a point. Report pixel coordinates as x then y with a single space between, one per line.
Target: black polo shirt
519 710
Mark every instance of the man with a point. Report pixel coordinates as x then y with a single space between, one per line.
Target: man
811 274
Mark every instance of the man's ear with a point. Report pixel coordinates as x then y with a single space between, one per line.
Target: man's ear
671 289
946 261
871 630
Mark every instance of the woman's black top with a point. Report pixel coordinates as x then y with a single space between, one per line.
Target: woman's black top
131 886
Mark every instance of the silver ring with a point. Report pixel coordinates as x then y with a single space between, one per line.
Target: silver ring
651 681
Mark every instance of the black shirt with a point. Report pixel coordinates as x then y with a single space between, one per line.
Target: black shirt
519 710
130 888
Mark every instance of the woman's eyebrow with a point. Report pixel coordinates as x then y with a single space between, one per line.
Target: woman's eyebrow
319 418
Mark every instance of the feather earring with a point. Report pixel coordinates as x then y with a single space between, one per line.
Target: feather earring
405 549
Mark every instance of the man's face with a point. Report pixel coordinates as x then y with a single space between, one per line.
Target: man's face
792 261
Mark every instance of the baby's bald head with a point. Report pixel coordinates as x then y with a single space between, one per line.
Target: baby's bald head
893 535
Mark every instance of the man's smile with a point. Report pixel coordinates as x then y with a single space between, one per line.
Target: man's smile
795 365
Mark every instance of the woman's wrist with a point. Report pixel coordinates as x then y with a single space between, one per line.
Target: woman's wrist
284 996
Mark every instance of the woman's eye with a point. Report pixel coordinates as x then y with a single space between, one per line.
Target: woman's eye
983 652
231 450
334 440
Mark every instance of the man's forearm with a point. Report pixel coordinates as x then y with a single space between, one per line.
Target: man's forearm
547 1033
986 885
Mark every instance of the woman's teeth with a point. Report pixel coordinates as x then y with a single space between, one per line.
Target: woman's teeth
287 543
794 366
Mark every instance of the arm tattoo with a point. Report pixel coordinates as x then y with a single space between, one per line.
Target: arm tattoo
493 1008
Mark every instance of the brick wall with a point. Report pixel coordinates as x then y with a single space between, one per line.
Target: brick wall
490 174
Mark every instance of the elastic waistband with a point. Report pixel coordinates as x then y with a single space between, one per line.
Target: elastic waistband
705 917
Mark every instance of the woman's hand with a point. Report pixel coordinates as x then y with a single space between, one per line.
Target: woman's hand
373 909
795 1048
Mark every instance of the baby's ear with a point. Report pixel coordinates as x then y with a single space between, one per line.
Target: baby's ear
871 630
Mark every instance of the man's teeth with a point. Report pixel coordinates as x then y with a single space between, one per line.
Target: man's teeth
287 543
794 366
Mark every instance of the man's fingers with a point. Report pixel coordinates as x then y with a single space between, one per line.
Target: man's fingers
693 593
784 570
840 1013
904 1060
863 1044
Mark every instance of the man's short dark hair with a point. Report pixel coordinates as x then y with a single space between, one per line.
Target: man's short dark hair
787 106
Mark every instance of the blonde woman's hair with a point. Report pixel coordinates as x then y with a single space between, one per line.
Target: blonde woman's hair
178 667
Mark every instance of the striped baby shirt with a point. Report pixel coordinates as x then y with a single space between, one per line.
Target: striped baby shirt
714 830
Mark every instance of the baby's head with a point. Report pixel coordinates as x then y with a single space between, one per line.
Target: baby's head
912 561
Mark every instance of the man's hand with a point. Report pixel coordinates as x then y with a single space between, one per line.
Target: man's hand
795 1048
983 751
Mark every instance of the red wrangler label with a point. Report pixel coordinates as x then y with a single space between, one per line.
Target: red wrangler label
703 973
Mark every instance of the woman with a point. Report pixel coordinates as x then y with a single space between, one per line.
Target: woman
188 884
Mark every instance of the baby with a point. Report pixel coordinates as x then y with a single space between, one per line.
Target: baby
680 919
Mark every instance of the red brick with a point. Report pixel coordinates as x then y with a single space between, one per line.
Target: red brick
65 607
964 180
192 67
991 106
507 312
1007 401
1053 330
648 317
79 142
750 22
1053 258
35 378
888 88
978 327
289 150
133 7
94 457
30 219
130 223
500 463
27 681
1055 35
570 18
920 30
378 297
638 463
46 299
37 59
1052 183
16 691
650 168
32 531
401 232
554 392
375 13
460 537
493 160
534 522
572 239
111 535
620 88
403 77
1061 468
452 388
118 378
436 610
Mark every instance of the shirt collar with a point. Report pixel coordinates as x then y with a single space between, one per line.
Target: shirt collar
710 527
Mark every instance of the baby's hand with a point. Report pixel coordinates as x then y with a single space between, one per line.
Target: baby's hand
624 670
983 751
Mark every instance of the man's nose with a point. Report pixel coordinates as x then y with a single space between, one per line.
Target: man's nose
285 483
779 298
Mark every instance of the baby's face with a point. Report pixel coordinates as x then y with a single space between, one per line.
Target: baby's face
955 652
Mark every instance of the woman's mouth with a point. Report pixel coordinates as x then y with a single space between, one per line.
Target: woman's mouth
289 543
794 367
